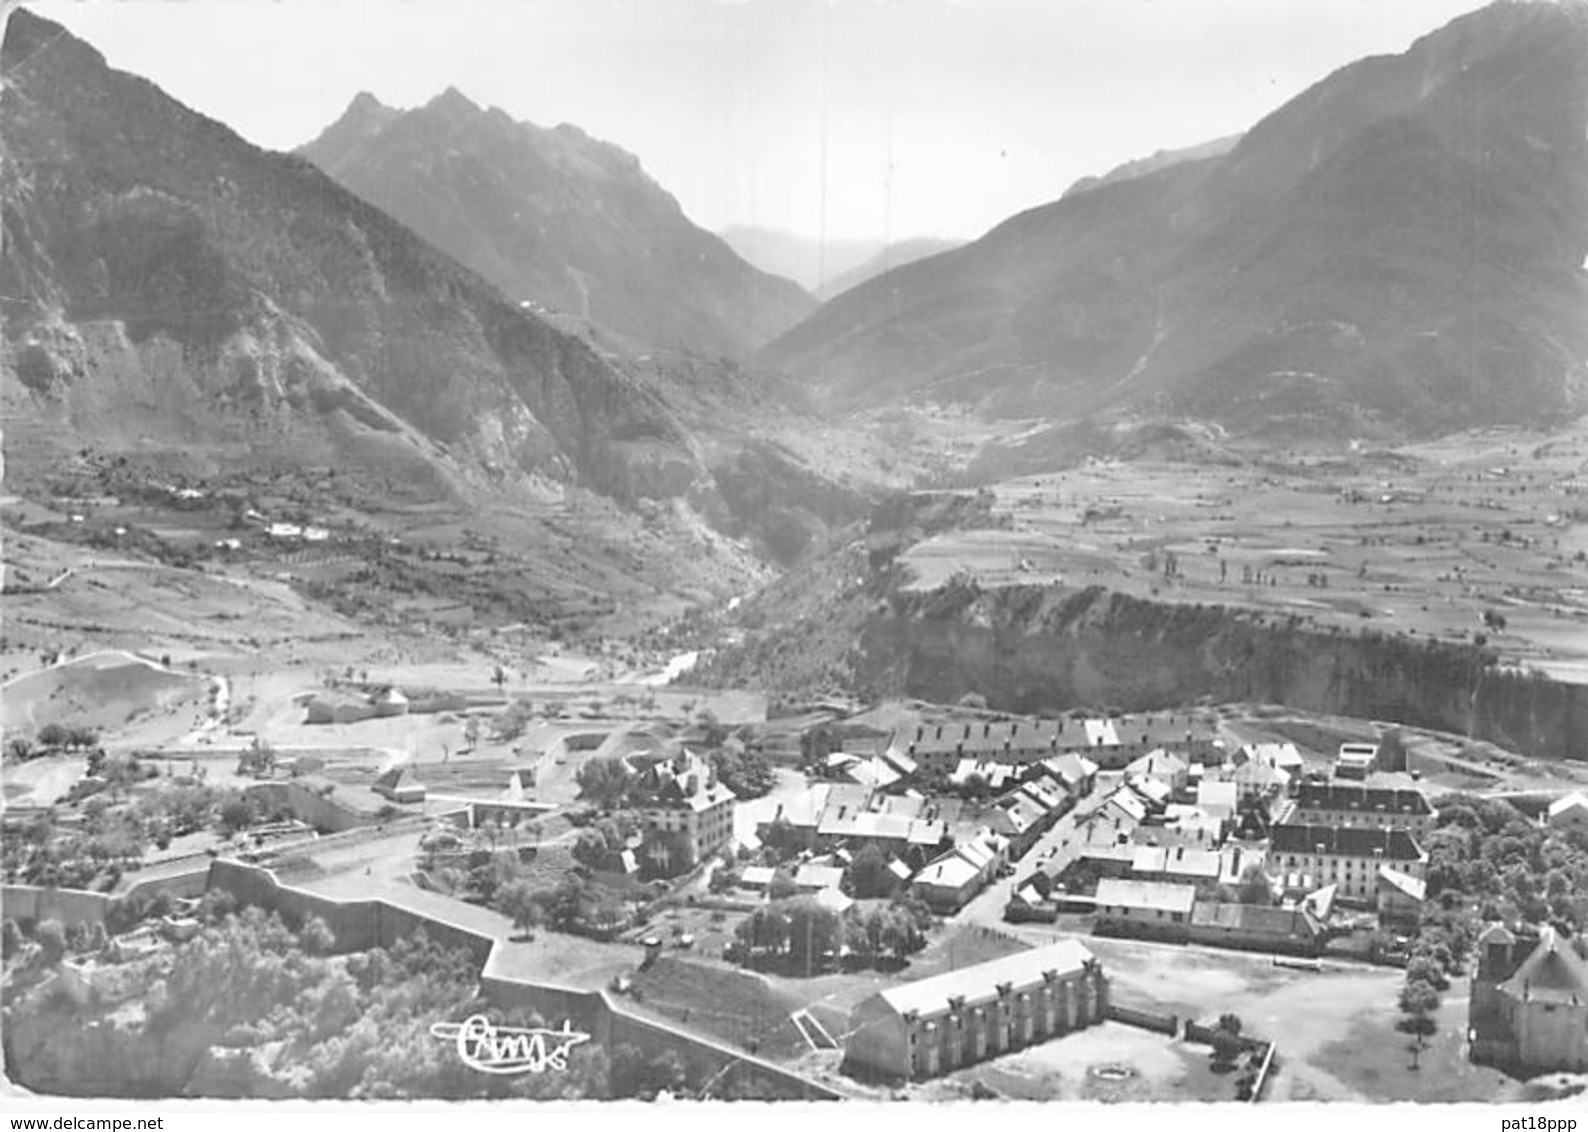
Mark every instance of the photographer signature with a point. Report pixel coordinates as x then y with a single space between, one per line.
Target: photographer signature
490 1048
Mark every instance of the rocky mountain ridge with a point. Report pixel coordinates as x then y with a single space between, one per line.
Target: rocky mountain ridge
1397 251
558 220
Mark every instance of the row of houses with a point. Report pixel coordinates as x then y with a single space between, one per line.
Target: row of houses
948 848
939 749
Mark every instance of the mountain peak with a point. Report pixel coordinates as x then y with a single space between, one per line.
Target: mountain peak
453 101
26 34
366 103
562 220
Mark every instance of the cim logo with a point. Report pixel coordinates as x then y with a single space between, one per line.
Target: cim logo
509 1049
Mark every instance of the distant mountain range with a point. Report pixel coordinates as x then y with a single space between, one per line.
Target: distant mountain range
558 219
1399 249
168 283
887 258
827 268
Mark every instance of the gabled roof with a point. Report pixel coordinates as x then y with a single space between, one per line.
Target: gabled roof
1266 919
1257 774
804 809
1129 803
995 774
902 805
1408 886
1159 764
1553 973
1496 933
1321 901
1345 841
979 983
900 762
1176 861
1045 793
1154 790
1147 894
874 773
1361 797
393 778
949 871
1070 769
1574 801
818 876
1100 733
1285 756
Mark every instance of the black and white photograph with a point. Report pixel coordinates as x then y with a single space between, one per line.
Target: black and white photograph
722 553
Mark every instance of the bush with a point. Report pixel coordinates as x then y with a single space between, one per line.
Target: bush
51 935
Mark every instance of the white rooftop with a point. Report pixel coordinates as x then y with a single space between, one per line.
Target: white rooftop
979 983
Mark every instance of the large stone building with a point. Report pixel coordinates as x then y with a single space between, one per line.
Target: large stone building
688 814
1345 856
1529 1003
934 1026
1362 804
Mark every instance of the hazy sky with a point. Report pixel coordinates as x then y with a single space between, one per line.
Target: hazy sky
870 118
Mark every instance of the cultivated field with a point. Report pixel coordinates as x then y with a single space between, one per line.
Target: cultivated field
1425 540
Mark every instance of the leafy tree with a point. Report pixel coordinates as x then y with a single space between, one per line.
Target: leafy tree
975 786
1418 1001
868 876
237 814
51 936
519 901
590 849
604 780
1043 883
258 761
1424 968
782 838
814 932
713 733
316 936
19 747
1226 1047
1254 887
766 930
53 735
782 887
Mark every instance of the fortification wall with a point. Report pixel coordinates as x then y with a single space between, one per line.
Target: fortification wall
28 904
